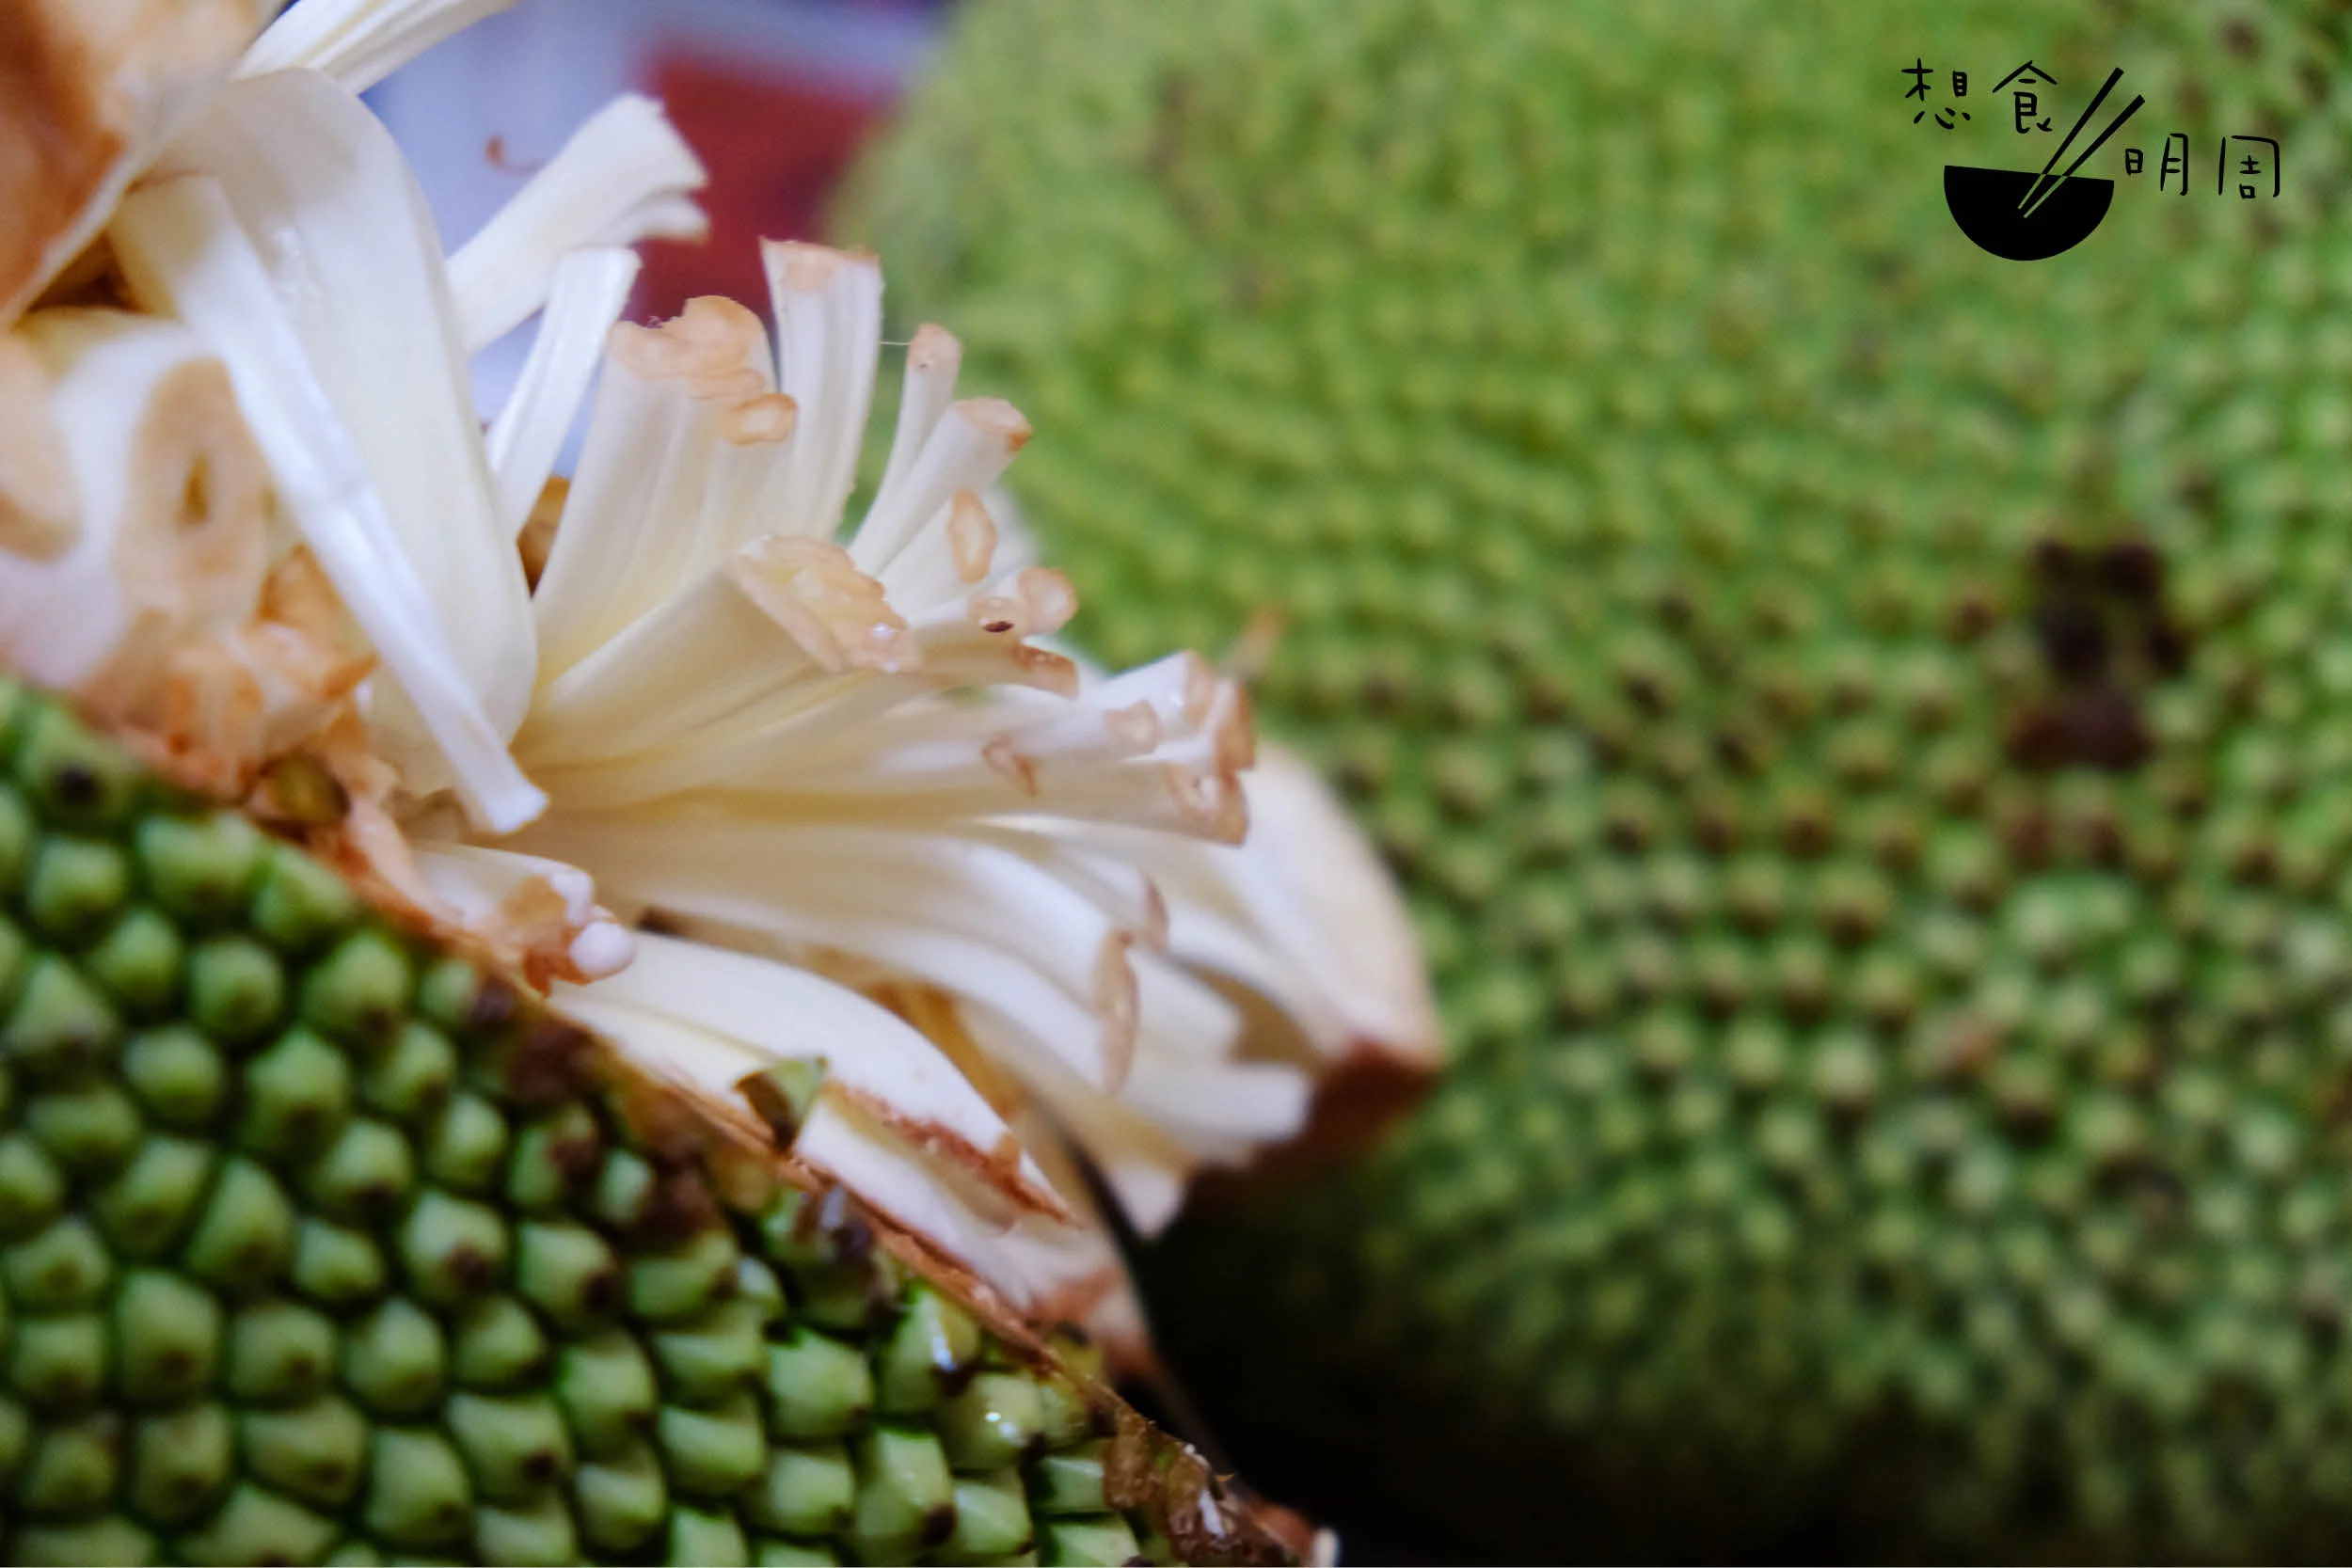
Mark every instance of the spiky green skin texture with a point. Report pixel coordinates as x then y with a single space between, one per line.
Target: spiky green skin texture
1866 727
318 1244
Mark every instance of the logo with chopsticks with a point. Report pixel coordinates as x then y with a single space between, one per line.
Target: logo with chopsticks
2025 216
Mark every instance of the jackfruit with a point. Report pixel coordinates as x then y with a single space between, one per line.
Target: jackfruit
1865 725
322 1243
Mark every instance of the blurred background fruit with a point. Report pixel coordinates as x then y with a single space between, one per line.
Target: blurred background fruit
1864 724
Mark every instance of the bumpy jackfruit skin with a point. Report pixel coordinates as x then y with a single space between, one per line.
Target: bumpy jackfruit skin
318 1244
1867 728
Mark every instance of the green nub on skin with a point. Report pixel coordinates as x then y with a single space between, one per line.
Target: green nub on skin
318 1243
1866 729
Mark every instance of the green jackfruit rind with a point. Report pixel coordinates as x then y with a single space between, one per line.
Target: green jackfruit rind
419 1269
1900 1064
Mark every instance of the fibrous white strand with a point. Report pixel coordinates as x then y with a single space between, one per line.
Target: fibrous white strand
625 175
1304 914
668 406
591 287
828 310
359 42
539 915
789 1014
972 444
934 358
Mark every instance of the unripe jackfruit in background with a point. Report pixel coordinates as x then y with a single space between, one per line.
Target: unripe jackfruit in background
320 1245
1867 725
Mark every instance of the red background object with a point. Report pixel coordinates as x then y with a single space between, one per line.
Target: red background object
775 144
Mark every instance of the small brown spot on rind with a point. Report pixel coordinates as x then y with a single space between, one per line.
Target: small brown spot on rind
2105 729
2167 647
2132 567
1973 615
551 1064
74 785
469 1268
680 1207
2074 640
2056 559
493 1006
2037 740
2029 836
576 1159
855 1240
1805 831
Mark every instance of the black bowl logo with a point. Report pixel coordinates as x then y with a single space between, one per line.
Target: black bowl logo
1989 206
2029 218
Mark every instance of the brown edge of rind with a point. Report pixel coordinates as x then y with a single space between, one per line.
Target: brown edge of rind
1146 1470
